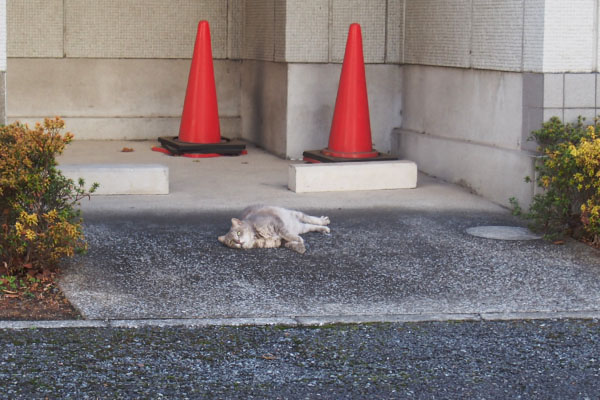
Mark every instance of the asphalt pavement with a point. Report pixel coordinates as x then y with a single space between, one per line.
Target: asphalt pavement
426 360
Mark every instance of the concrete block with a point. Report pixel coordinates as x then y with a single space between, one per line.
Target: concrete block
554 112
571 114
121 178
115 128
455 103
111 87
492 172
264 104
311 99
2 97
347 176
580 90
554 90
533 111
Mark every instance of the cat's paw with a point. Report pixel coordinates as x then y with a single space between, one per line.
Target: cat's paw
325 220
296 246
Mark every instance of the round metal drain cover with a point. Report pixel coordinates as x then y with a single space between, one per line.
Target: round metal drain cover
503 233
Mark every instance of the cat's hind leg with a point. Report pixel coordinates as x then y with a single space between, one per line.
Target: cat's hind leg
309 219
315 228
293 241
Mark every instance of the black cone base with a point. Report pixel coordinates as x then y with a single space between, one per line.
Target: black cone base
230 147
316 156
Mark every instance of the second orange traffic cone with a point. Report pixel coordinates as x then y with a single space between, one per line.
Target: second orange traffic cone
350 135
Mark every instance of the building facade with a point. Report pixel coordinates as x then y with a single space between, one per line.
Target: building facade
454 85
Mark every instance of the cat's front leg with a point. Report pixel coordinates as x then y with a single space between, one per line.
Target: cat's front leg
267 243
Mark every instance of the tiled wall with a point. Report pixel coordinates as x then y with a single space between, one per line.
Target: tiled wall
370 14
508 35
570 35
2 37
568 96
315 31
438 32
35 28
118 29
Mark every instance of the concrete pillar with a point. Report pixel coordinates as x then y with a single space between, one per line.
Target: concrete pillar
293 50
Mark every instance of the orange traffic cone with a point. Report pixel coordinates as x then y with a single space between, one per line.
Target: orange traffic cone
350 136
199 131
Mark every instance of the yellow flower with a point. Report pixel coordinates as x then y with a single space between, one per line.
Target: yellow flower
29 219
51 215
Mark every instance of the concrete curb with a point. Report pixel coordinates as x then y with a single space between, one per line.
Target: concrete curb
121 179
302 321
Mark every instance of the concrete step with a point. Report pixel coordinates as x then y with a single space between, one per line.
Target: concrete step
121 178
348 176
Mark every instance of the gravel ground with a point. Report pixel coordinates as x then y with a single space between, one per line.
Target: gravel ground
515 359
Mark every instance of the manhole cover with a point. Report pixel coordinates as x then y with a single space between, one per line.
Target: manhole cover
503 233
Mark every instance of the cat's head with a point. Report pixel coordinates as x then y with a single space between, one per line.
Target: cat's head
240 236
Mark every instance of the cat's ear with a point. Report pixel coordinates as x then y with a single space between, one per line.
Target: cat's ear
235 222
222 239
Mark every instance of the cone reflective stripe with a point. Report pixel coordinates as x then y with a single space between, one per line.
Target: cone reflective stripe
350 135
200 118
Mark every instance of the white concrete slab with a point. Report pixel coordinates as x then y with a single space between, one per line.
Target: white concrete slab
349 176
121 178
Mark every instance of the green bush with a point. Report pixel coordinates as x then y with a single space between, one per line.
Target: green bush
568 171
39 222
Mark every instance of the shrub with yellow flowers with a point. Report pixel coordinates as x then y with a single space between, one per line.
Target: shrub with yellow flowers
568 171
587 178
39 219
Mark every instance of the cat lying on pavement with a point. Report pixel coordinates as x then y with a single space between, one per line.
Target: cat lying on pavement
268 226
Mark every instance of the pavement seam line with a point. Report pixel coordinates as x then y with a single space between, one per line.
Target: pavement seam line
302 321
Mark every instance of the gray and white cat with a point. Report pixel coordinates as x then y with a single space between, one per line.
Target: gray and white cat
268 226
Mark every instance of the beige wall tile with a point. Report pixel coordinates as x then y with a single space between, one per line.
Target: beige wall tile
235 20
569 34
371 15
394 50
259 30
307 31
34 28
438 32
142 28
497 35
533 35
279 30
